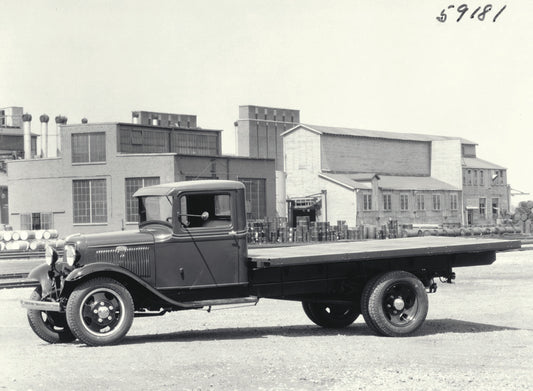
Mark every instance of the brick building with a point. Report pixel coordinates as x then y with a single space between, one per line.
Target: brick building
370 177
88 187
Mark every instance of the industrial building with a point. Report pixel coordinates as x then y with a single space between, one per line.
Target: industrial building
370 177
87 187
258 134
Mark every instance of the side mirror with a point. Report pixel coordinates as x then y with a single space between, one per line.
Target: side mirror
205 216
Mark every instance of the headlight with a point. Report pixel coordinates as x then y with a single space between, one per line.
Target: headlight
50 255
70 254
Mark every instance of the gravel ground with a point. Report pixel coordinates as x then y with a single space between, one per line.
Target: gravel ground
478 336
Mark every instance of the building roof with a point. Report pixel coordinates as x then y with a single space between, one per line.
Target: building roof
474 162
351 181
393 182
336 131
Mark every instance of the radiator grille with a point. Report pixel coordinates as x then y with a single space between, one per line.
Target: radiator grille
135 259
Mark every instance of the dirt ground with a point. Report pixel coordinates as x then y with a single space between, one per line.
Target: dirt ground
478 336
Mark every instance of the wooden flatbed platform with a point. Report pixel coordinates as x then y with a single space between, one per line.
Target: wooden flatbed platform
376 249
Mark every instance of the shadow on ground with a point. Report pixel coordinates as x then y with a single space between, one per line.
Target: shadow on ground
430 327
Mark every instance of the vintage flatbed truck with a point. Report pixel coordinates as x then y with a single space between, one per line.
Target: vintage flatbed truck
190 252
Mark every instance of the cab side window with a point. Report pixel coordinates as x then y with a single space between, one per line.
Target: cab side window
205 210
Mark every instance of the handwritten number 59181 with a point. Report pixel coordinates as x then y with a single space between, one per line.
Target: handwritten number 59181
463 9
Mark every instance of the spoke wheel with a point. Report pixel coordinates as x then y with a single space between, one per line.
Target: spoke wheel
396 304
100 311
331 315
49 326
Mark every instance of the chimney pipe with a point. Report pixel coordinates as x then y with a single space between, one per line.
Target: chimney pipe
26 125
60 120
43 150
135 117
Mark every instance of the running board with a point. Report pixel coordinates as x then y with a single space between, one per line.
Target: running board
210 303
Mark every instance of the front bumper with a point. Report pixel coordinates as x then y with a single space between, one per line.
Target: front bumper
41 305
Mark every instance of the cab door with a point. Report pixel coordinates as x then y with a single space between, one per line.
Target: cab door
203 252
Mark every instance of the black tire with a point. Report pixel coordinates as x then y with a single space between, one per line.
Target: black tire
365 297
332 316
49 326
397 304
100 311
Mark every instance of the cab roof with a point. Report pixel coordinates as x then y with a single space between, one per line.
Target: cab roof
171 189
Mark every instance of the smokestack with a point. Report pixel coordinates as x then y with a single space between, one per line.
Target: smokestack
60 120
84 120
26 125
135 117
43 142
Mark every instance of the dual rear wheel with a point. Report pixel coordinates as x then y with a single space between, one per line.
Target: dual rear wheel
393 304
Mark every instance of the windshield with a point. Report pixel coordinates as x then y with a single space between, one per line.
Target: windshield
155 208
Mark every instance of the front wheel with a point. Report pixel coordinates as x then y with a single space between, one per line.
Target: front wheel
100 311
328 315
49 326
396 304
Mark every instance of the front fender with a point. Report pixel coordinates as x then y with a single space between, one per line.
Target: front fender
41 274
114 271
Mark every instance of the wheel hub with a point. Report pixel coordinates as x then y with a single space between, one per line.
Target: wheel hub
399 304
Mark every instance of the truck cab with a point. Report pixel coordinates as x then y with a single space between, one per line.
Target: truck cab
199 234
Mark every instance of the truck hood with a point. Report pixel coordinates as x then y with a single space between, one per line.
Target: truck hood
109 239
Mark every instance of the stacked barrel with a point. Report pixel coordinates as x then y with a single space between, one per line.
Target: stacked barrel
523 216
28 240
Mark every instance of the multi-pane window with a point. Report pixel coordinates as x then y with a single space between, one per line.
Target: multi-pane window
255 197
404 202
482 178
436 201
453 202
420 202
88 147
367 201
30 221
387 202
483 207
90 201
132 185
194 144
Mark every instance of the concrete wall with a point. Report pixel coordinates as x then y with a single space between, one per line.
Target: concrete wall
361 154
340 203
446 161
302 163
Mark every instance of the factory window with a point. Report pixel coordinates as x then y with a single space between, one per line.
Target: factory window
194 144
90 201
436 201
387 202
453 202
32 221
132 185
469 177
367 201
404 202
420 202
255 197
481 178
475 177
483 207
88 147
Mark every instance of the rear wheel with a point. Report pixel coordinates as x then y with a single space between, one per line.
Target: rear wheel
331 315
100 311
395 304
49 326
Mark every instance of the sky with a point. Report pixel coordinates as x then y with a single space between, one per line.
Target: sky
386 65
